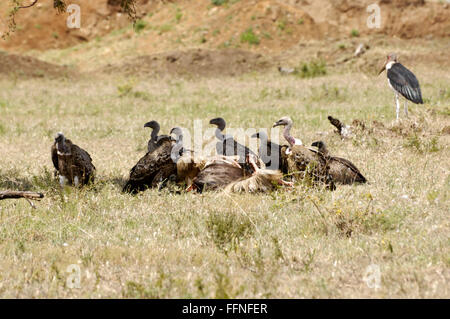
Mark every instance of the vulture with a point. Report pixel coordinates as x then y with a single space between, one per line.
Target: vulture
342 129
73 164
302 162
152 145
270 153
228 146
156 167
341 170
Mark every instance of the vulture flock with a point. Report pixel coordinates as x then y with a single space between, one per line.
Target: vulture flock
234 168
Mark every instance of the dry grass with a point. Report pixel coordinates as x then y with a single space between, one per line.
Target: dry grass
302 243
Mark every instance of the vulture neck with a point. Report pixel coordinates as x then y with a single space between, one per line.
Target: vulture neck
155 132
219 130
62 147
287 134
323 149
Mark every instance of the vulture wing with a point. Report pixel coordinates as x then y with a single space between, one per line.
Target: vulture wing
405 82
54 153
304 162
83 162
143 174
356 174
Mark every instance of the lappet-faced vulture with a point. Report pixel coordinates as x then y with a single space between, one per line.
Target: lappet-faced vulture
74 164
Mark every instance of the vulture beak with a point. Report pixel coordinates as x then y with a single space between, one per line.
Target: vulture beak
276 124
316 144
256 135
148 124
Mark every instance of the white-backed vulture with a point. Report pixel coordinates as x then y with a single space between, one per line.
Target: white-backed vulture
303 163
154 168
341 170
74 165
152 145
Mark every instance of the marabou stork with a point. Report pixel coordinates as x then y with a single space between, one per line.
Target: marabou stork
403 82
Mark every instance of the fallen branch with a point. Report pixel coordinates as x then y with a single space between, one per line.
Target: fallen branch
17 194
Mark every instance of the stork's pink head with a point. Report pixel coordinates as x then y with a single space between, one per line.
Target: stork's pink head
391 57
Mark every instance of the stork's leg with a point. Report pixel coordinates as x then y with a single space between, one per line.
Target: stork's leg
397 103
406 108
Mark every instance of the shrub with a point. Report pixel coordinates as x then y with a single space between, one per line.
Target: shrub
312 69
140 25
355 33
250 37
218 2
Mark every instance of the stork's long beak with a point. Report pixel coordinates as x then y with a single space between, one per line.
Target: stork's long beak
384 68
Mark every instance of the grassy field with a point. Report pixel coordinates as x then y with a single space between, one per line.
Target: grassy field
287 244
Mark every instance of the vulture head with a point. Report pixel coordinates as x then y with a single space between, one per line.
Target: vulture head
59 137
261 135
284 121
177 150
391 57
178 132
152 124
219 122
60 141
155 128
321 147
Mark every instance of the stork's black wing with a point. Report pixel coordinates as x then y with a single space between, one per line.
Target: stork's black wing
405 82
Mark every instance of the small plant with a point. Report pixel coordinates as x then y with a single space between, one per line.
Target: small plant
342 46
178 15
312 69
250 37
355 33
282 25
300 21
140 25
227 229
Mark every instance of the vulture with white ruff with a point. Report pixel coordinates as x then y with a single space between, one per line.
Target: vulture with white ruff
74 164
303 163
